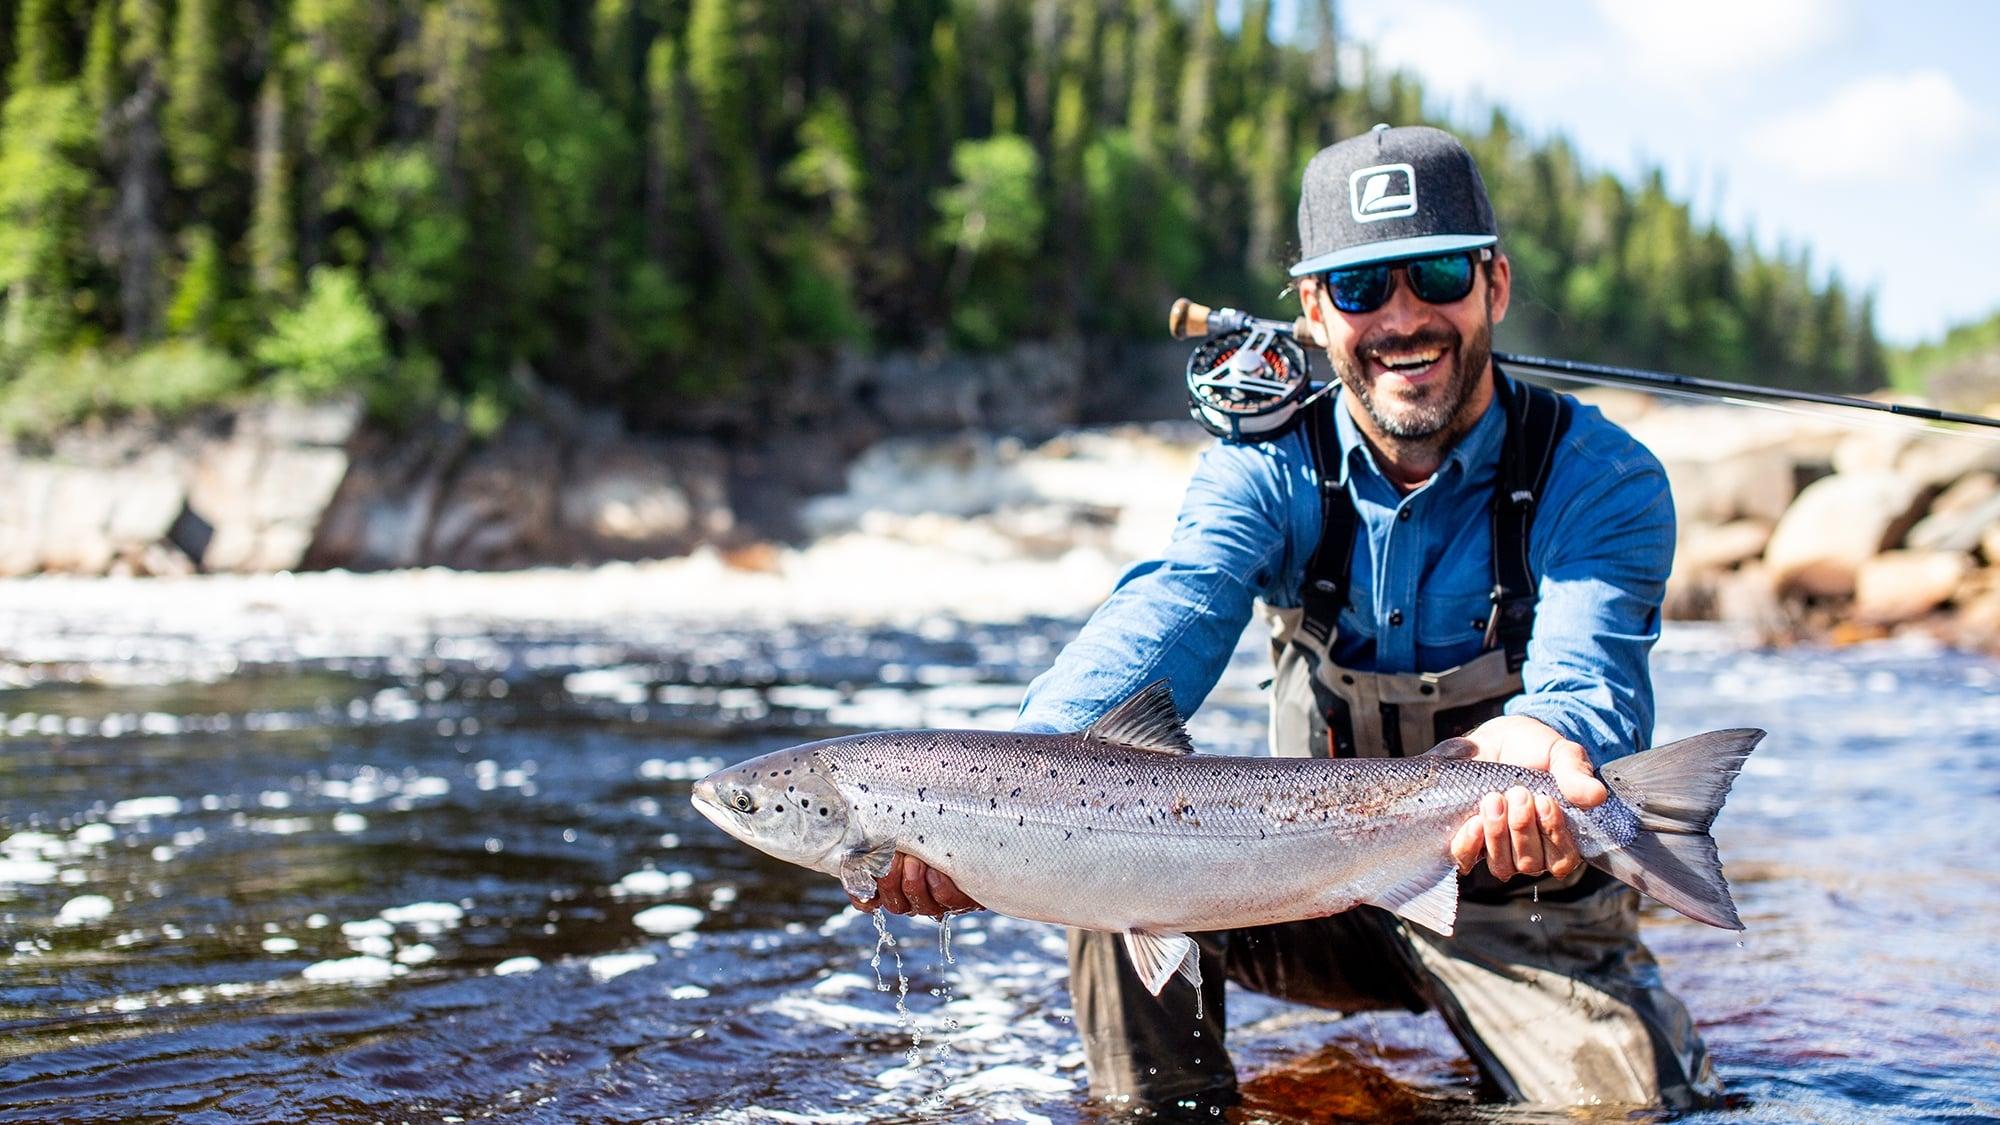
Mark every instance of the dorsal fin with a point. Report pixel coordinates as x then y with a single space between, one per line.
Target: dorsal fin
1145 721
1452 748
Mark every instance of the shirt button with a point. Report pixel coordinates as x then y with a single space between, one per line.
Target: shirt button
1403 514
1395 617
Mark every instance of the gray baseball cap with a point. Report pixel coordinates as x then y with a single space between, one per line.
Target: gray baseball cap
1389 194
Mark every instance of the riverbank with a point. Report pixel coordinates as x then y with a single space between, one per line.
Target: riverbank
1792 527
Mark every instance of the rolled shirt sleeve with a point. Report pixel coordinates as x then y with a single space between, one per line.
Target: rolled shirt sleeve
1177 616
1602 553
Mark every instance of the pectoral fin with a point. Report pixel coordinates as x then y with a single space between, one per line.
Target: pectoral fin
1158 956
860 868
1430 898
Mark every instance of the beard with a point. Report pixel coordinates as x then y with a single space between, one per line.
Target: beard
1429 410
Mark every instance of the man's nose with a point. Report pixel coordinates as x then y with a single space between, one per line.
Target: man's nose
1404 309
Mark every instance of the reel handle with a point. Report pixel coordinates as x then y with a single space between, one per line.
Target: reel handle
1187 320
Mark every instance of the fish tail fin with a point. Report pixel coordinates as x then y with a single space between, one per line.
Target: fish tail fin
1676 790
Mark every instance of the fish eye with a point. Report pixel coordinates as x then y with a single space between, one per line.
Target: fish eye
742 802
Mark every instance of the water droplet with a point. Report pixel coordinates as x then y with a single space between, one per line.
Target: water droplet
1536 917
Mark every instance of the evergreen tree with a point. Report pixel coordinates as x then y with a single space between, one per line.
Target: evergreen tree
200 117
273 259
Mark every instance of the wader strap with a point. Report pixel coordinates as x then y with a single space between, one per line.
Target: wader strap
1324 592
1536 420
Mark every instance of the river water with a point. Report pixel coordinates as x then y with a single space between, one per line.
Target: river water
441 878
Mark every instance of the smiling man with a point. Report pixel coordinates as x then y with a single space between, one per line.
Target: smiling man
1439 550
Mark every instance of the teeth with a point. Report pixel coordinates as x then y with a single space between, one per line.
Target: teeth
1409 359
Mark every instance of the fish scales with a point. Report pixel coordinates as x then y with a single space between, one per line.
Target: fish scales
1061 829
1123 828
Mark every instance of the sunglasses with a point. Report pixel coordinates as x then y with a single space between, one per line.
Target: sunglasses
1439 280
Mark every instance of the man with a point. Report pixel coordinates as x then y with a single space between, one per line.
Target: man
1439 550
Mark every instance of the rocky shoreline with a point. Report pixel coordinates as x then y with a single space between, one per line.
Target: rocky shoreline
1792 527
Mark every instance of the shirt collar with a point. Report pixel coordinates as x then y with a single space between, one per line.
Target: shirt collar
1478 449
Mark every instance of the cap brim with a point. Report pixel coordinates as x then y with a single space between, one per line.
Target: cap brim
1392 251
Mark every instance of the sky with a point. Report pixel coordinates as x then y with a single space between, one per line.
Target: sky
1867 132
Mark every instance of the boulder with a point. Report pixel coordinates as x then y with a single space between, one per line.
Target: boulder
74 527
1900 586
629 501
1753 483
1959 530
1864 451
1968 492
1723 547
1938 460
1836 524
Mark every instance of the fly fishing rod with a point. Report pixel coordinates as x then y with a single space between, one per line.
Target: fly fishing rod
1248 377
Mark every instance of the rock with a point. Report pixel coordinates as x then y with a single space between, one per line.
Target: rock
1966 493
1756 483
499 511
1723 547
1749 596
1989 545
630 500
1834 526
1865 451
79 510
1900 586
1938 460
1960 530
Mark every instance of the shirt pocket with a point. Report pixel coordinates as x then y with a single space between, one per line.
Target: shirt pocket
1450 627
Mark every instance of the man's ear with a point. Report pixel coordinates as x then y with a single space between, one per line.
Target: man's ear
1500 287
1309 302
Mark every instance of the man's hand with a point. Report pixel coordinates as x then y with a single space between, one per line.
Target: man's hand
1521 832
914 887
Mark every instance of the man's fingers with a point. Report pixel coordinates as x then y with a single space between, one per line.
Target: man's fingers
1561 851
916 887
889 888
1499 841
1575 776
1524 831
947 895
1468 843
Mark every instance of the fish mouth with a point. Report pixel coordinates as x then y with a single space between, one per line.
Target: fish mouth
706 802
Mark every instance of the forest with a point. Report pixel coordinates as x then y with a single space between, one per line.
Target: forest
435 205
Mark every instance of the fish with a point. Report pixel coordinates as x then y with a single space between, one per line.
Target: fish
1123 827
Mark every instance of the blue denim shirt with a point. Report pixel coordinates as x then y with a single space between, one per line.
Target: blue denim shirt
1601 547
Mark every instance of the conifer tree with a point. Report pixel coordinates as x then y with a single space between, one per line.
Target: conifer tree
200 118
273 271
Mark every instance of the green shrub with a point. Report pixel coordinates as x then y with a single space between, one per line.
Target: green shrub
332 343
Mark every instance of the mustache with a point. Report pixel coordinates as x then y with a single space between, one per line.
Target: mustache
1414 341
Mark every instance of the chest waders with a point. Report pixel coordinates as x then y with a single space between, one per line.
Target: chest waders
1322 709
1553 996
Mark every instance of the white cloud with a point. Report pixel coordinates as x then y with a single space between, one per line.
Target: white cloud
1695 39
1463 54
1883 128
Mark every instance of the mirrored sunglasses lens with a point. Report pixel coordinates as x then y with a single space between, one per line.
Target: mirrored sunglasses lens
1362 289
1442 280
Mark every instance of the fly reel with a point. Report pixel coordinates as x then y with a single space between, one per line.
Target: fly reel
1247 378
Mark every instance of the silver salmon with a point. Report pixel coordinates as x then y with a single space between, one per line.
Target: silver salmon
1122 827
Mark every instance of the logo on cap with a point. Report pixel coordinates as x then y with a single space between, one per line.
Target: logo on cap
1386 191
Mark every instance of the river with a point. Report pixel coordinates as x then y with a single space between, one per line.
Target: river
453 875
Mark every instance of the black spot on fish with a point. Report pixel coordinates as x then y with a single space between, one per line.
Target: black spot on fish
1067 834
824 810
1016 792
992 802
1052 773
940 810
920 791
1020 821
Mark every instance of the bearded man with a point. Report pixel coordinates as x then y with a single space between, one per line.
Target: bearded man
1439 550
